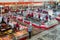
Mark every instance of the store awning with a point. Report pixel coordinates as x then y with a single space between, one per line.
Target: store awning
23 3
16 3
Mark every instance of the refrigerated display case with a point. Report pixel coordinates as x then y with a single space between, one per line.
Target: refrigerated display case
8 34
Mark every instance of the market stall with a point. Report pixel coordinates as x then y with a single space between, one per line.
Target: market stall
49 24
58 19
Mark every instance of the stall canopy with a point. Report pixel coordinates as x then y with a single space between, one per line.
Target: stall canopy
24 2
18 3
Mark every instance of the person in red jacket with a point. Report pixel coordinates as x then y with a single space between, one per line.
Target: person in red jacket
46 17
16 27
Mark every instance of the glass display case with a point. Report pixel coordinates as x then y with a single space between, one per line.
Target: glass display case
51 23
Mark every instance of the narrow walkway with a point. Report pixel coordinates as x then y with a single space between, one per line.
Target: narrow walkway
52 34
36 37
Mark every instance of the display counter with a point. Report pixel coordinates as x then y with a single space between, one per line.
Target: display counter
14 22
20 17
6 31
26 22
19 35
50 24
10 35
35 25
46 25
58 19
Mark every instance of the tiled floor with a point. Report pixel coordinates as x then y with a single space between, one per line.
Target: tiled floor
52 34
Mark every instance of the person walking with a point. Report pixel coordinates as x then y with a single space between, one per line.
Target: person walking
12 25
17 26
0 18
30 30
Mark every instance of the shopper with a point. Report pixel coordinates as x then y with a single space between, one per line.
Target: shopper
50 17
0 18
22 12
5 19
46 18
8 20
17 26
41 18
30 30
12 25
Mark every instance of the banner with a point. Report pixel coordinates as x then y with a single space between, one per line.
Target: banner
26 0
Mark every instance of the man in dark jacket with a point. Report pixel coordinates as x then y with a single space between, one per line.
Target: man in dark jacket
30 30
